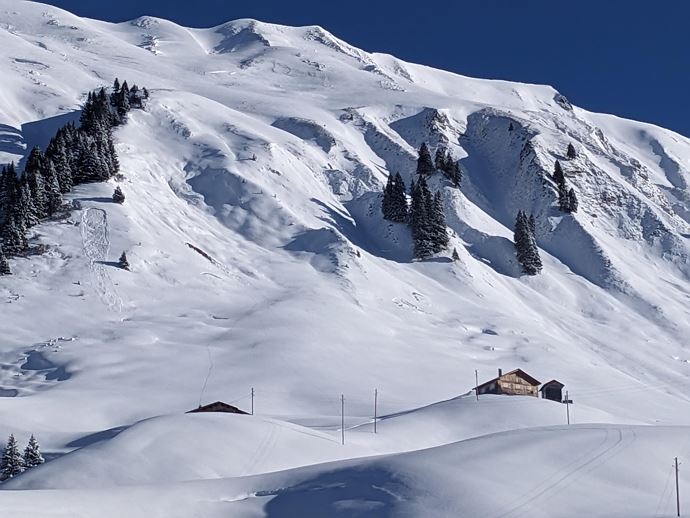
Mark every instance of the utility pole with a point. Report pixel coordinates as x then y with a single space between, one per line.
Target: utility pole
252 400
376 397
342 418
476 383
677 493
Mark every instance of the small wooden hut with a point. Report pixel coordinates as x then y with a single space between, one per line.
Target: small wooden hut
552 390
513 383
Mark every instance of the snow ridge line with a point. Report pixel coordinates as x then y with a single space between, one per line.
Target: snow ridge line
96 244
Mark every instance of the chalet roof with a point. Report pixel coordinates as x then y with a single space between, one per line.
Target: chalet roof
218 406
529 379
552 383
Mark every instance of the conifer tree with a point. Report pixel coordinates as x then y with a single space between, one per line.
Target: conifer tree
437 224
571 151
558 175
455 255
119 196
572 201
425 166
11 463
122 262
399 200
441 158
526 246
13 236
116 85
52 189
386 203
419 220
32 454
4 265
33 174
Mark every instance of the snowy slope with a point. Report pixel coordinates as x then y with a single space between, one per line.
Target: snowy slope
265 147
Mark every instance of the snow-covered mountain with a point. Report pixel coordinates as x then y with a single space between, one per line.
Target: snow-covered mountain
266 148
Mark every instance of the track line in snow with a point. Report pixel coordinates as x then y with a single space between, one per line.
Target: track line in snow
96 244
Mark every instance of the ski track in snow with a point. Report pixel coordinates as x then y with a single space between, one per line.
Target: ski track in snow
96 243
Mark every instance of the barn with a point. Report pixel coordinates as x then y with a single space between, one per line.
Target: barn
552 390
218 406
513 383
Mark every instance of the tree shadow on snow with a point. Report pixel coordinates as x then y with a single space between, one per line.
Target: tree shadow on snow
346 493
97 199
348 226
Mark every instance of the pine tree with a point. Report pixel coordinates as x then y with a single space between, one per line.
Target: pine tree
455 255
13 237
119 196
424 164
116 85
525 245
419 220
441 158
52 189
33 174
145 92
4 265
437 224
572 201
11 463
558 175
8 189
571 151
398 198
32 454
386 203
122 262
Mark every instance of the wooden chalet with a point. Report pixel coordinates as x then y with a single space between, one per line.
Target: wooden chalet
513 383
218 406
552 390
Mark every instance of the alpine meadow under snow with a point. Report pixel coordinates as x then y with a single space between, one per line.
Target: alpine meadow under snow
257 256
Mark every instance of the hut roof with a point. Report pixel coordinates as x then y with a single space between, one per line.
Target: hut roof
218 406
529 379
552 383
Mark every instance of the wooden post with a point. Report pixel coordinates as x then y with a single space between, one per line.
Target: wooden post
567 406
342 418
677 493
252 400
476 383
376 397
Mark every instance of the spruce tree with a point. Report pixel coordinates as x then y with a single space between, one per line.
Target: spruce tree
116 85
34 175
119 196
4 265
386 203
419 220
437 224
425 166
13 237
526 246
558 175
122 262
398 200
441 158
52 189
571 151
455 255
32 454
11 463
572 201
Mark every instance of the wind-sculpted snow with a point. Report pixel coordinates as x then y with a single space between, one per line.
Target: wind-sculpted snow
260 259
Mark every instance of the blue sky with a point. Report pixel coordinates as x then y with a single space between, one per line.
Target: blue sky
630 58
